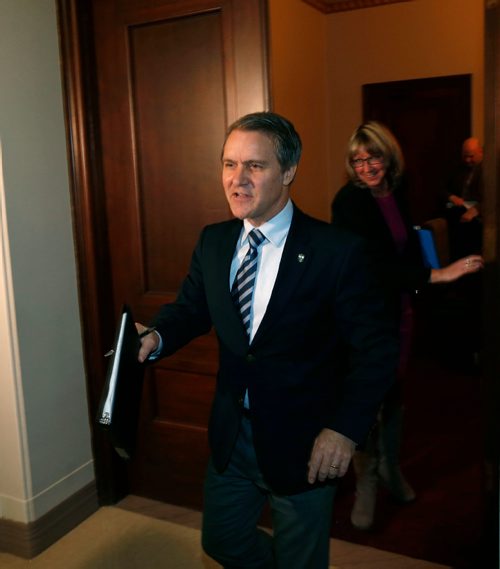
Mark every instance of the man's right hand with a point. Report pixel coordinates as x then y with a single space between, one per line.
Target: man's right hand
469 215
150 342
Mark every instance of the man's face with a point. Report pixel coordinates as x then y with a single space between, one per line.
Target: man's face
472 154
255 187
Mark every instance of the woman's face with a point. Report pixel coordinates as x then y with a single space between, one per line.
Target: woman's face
369 168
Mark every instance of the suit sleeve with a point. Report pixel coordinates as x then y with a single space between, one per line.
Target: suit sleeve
371 337
188 316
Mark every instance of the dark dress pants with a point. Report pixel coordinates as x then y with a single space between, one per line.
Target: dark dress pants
233 505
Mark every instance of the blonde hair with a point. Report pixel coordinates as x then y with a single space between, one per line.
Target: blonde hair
377 140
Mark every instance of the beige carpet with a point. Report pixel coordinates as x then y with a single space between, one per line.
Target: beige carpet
114 538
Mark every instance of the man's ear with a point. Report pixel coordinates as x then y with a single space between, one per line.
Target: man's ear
289 175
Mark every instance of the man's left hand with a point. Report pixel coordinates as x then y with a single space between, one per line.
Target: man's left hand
330 457
469 215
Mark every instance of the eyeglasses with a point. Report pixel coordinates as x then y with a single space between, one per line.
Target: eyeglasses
371 161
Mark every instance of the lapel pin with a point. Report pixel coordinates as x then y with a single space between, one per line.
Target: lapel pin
301 257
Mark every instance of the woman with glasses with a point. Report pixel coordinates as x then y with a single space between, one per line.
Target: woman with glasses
373 204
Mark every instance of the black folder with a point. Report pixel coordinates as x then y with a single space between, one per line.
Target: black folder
121 397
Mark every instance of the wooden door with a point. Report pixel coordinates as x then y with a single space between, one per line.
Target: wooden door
431 118
167 77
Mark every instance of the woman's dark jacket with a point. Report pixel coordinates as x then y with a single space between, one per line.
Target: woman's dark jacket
355 209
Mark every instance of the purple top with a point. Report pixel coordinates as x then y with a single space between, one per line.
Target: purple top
392 216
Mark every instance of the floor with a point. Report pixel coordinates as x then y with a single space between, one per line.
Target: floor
344 555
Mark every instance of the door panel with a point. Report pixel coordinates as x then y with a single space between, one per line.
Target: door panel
165 90
171 76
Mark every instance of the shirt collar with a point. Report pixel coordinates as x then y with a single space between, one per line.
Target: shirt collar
275 229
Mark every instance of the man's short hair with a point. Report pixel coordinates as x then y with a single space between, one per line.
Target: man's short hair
280 130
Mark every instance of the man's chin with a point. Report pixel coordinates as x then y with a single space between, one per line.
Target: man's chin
240 213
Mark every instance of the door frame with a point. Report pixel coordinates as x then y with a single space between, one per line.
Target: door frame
80 94
447 100
89 222
491 300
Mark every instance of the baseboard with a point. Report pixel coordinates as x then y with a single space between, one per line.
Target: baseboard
28 540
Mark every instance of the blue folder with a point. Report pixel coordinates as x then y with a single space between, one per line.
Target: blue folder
428 246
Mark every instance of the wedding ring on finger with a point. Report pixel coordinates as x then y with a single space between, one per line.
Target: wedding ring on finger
334 467
467 263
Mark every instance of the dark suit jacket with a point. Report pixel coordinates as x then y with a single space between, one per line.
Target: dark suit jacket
467 183
355 209
322 292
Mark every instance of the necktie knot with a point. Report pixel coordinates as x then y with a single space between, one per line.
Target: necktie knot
255 238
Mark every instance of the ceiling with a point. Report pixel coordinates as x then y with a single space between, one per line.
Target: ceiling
330 6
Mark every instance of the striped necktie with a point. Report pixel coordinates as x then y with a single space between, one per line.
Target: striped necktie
242 289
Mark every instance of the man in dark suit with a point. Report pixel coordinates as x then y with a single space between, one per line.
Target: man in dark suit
285 419
464 194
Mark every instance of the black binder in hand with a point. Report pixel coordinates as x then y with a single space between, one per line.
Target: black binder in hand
121 398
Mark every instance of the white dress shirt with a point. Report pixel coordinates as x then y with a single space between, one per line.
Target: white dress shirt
268 261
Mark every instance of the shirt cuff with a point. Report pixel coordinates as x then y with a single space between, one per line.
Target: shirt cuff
156 354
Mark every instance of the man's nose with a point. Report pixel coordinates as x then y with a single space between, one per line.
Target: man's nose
240 175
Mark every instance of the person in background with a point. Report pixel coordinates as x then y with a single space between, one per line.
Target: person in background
463 202
373 205
280 288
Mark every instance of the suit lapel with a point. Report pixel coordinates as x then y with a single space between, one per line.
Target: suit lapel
221 266
294 263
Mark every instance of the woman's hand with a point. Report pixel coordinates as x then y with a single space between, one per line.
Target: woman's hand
464 266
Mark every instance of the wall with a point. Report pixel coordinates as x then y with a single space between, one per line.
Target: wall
298 52
406 40
44 432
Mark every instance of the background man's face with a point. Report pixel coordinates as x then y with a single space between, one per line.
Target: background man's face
472 154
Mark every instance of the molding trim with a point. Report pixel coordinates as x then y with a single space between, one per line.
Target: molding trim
81 104
28 540
330 6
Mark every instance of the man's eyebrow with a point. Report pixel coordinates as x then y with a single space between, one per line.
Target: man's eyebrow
255 160
260 161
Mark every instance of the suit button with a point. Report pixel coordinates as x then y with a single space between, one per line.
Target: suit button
250 358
